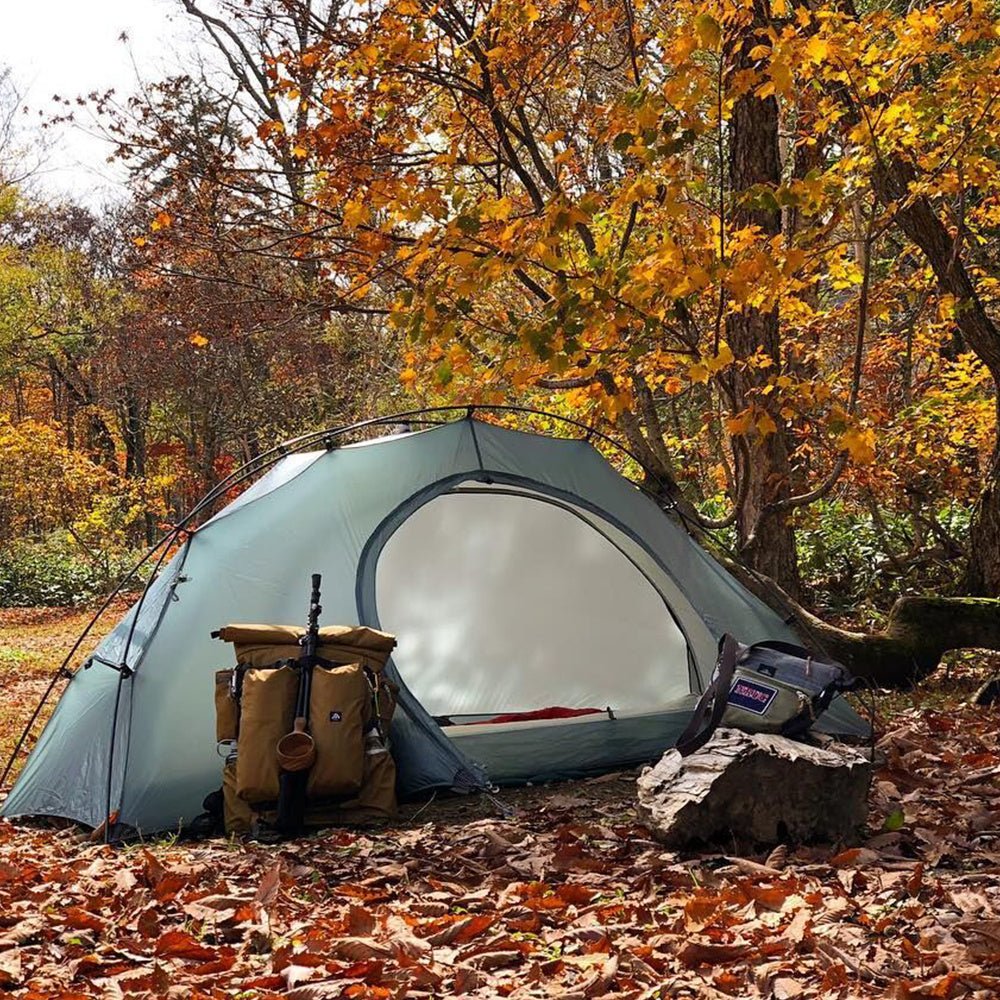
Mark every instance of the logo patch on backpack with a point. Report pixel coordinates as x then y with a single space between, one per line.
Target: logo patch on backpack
752 696
335 716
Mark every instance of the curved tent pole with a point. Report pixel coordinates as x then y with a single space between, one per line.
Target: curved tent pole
124 670
255 466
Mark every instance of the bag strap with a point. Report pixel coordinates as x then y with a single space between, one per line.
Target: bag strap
716 694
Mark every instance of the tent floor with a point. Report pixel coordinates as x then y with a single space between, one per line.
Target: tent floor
551 749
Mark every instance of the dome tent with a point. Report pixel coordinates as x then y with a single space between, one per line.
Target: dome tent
519 571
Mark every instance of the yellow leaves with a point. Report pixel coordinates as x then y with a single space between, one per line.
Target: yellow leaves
708 31
300 152
648 115
369 55
721 360
859 442
496 208
408 378
710 365
464 260
554 136
140 241
682 48
781 79
161 221
753 416
355 214
817 49
766 424
198 339
530 12
741 422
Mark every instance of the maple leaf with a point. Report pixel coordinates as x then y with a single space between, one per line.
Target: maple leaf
355 213
859 442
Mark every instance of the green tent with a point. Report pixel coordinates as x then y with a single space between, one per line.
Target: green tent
522 574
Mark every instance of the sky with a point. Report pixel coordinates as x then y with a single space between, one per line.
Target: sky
73 47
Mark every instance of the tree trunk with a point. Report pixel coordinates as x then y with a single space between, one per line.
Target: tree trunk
982 572
765 536
134 414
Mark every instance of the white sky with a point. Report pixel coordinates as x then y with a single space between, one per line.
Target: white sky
72 47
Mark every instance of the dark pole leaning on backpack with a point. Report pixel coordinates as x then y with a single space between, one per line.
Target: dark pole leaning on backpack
296 750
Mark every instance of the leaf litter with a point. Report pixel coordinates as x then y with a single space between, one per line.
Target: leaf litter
568 897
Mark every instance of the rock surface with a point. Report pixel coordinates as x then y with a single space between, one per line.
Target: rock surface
754 789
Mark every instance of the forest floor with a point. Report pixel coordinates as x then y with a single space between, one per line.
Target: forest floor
561 894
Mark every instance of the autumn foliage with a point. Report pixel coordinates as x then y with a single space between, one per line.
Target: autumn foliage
753 240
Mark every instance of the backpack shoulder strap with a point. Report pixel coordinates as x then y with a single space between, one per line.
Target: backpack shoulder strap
694 736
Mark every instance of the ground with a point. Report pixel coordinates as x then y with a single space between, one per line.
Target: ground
554 891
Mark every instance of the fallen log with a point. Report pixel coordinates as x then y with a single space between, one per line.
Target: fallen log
917 633
756 789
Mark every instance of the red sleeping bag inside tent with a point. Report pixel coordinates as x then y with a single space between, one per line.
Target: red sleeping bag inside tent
555 712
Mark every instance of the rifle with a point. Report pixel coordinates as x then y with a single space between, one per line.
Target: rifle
297 750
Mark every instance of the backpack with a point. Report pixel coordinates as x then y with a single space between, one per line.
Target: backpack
767 687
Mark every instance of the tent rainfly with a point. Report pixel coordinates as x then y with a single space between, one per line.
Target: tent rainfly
520 572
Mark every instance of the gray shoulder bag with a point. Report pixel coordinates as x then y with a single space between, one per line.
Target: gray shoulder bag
768 687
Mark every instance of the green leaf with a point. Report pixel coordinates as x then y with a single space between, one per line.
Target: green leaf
894 821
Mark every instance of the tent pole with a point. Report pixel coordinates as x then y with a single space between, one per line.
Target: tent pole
124 670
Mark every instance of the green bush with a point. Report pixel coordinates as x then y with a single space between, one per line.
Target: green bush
843 555
56 572
843 562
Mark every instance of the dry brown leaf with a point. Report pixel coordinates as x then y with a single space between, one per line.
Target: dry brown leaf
11 967
267 891
784 988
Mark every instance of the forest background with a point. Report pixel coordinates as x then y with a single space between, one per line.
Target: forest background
756 241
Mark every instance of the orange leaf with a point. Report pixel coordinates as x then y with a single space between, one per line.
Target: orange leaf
80 919
177 944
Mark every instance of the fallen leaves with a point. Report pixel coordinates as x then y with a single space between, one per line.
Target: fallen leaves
568 898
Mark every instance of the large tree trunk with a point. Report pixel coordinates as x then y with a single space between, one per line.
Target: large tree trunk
765 536
982 574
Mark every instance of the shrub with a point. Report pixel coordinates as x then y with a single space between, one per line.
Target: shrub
56 572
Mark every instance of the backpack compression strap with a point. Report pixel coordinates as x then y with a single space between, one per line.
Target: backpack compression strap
716 694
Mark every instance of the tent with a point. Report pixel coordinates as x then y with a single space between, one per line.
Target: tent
522 574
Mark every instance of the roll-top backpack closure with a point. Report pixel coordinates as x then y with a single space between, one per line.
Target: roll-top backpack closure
262 645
